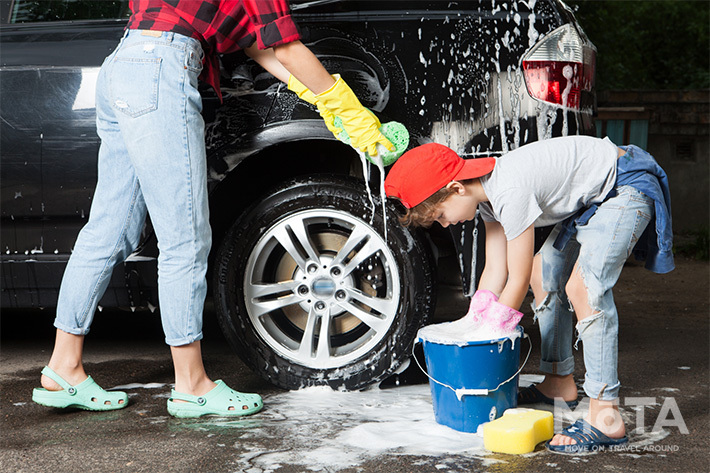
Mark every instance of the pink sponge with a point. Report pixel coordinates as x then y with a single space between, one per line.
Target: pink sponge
500 317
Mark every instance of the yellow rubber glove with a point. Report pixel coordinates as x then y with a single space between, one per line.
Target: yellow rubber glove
306 95
358 122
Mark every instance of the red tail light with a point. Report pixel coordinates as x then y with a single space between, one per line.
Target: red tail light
560 67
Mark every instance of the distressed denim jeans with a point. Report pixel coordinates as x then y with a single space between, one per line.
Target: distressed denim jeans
151 160
601 247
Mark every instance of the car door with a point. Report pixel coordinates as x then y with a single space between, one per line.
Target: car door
51 54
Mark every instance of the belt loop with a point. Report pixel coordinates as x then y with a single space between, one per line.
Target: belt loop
169 36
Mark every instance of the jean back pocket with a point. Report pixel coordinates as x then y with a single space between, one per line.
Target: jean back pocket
134 85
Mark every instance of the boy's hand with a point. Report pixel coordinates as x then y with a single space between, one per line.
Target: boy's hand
358 122
479 303
501 318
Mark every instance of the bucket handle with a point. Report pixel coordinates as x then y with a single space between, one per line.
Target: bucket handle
461 392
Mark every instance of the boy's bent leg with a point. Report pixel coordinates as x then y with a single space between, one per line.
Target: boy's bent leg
606 242
551 268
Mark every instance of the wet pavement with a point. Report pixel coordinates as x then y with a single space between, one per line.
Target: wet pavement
664 339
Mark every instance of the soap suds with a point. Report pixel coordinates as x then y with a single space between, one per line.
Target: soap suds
464 331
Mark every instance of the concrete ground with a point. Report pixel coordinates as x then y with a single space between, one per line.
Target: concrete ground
664 339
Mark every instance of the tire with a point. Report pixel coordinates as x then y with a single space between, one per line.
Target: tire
309 252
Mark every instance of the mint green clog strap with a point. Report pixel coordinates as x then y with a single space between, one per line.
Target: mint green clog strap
48 372
199 400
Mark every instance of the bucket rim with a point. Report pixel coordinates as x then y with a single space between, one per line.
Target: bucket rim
519 332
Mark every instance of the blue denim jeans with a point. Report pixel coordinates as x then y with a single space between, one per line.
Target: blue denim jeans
600 248
151 160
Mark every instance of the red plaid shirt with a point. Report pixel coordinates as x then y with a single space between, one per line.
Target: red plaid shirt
222 26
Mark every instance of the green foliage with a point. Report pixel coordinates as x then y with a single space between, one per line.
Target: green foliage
694 244
649 44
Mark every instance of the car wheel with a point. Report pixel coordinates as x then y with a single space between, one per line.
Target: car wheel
308 292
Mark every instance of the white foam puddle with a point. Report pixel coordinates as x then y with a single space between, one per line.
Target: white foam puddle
321 429
318 429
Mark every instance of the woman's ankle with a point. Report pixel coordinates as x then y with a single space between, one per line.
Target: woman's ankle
71 373
195 388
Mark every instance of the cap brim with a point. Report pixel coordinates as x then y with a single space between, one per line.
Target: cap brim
473 168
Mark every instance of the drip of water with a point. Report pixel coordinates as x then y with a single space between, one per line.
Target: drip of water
366 174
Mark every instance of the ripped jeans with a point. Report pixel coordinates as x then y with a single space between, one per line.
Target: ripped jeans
600 247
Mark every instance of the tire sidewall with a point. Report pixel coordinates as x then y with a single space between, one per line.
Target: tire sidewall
333 193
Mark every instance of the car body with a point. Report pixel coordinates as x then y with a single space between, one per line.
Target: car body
313 279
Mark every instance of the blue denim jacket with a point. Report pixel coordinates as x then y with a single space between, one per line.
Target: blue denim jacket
637 169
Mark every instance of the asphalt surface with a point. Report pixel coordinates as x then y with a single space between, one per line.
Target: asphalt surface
664 340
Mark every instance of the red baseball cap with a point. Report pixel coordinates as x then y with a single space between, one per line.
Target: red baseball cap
422 171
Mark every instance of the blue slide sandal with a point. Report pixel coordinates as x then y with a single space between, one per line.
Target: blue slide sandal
588 437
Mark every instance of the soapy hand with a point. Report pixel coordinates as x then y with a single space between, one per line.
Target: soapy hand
360 124
500 318
479 303
486 319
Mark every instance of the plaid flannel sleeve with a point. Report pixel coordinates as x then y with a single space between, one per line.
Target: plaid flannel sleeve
275 26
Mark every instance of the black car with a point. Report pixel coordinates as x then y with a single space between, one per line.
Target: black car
313 279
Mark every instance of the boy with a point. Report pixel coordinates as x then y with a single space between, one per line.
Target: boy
604 201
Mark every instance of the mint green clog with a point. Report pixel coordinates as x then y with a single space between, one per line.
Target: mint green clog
86 395
220 401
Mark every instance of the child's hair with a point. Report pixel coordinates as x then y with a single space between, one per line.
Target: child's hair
424 214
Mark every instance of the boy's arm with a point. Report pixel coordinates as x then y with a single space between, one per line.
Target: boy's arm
495 271
519 263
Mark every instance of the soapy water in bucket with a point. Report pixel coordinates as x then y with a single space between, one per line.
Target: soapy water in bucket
463 331
472 371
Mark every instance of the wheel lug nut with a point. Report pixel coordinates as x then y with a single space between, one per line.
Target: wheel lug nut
335 272
340 295
312 268
303 290
320 305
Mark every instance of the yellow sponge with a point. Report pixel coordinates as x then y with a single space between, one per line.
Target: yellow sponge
518 431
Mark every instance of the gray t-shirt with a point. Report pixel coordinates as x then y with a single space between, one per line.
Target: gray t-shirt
544 182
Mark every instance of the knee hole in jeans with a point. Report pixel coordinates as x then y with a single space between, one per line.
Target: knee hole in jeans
577 291
585 323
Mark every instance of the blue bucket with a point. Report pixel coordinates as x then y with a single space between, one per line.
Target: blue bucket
473 383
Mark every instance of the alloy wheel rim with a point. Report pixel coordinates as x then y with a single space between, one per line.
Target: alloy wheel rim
321 288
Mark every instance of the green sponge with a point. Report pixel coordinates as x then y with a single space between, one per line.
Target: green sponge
393 131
